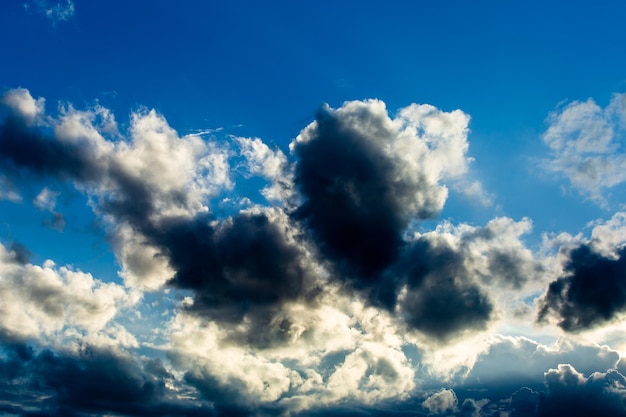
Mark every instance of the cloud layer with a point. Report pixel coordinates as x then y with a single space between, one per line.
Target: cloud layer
325 292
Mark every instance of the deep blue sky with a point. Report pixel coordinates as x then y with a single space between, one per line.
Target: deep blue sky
523 72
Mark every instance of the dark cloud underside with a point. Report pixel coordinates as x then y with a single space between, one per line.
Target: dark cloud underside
351 198
592 292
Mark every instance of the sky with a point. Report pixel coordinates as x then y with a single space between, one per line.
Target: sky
312 209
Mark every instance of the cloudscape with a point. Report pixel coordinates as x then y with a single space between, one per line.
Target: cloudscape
349 209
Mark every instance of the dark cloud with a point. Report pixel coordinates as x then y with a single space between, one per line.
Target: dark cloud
441 298
56 221
92 381
569 393
237 266
352 197
21 254
592 292
524 403
358 200
27 148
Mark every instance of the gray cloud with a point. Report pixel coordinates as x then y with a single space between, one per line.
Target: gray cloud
91 380
364 176
591 292
441 299
570 393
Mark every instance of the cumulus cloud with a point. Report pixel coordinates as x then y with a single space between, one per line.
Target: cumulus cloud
570 393
519 360
43 300
336 355
379 173
271 164
88 379
586 144
22 104
441 402
590 290
329 295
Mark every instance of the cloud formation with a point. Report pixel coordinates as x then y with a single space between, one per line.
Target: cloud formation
41 300
590 290
59 11
571 393
586 141
378 175
325 292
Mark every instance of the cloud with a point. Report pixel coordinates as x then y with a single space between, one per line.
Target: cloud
46 200
377 176
440 298
22 104
524 403
518 360
339 353
329 294
42 301
88 380
591 293
55 11
588 290
585 141
247 261
571 393
249 269
441 402
271 164
446 280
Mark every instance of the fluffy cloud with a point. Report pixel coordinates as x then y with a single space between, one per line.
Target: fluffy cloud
22 104
88 379
334 356
571 393
585 140
41 301
441 402
519 360
590 290
332 295
133 183
378 175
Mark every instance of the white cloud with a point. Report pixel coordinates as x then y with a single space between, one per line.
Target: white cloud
41 301
338 352
522 359
441 402
587 145
46 199
261 160
21 102
270 164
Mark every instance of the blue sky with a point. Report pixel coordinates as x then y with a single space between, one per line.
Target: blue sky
312 208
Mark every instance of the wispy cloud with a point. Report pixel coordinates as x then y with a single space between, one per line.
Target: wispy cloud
55 11
587 144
